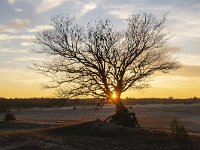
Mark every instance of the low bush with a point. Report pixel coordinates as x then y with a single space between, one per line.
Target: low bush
177 128
9 116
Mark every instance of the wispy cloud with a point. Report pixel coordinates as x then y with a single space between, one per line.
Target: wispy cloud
26 44
14 26
188 71
29 59
18 23
119 13
6 37
185 26
7 30
48 4
6 62
175 82
87 7
12 50
196 6
187 59
24 76
18 10
125 10
13 1
40 28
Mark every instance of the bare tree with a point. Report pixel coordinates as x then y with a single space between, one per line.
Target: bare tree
99 61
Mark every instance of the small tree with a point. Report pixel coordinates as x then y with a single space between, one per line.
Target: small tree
99 61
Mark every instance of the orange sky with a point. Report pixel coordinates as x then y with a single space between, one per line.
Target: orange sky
182 83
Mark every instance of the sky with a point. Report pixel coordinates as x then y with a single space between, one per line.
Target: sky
21 20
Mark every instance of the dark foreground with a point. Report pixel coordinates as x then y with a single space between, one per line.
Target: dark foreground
68 129
94 135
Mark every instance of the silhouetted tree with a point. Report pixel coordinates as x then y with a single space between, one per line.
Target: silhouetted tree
99 61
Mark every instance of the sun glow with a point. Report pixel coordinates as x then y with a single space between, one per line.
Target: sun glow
114 95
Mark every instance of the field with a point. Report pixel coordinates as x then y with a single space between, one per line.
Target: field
65 128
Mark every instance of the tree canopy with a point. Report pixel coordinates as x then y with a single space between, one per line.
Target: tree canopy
100 61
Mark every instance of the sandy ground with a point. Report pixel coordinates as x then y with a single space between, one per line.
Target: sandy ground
149 116
59 128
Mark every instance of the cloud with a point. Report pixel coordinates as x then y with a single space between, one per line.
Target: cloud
11 1
184 77
6 37
24 76
196 6
185 26
20 23
87 7
48 4
119 13
7 30
40 28
11 50
14 1
15 25
188 59
28 59
124 10
188 71
6 62
18 10
26 44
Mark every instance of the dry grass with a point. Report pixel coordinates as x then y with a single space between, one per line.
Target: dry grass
92 135
57 129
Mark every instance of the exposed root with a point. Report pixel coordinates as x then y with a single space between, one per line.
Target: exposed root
124 119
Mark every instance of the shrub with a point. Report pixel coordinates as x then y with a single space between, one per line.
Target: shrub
9 116
177 128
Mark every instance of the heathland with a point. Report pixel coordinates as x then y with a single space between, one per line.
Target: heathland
43 123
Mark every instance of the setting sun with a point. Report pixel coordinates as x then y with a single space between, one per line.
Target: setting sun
114 95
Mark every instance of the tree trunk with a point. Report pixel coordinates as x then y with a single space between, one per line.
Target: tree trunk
120 108
122 115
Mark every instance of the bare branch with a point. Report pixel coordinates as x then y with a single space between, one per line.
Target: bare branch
97 60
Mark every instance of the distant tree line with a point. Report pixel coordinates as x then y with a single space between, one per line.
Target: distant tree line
20 103
170 100
12 103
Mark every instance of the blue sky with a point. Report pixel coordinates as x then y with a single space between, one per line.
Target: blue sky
20 20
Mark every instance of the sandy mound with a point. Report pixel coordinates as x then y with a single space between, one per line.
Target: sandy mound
96 129
100 135
96 135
